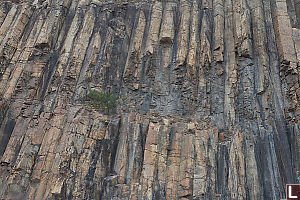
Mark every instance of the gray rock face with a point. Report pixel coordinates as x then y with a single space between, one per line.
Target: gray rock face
208 109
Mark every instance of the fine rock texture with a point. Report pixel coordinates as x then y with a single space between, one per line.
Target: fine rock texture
208 109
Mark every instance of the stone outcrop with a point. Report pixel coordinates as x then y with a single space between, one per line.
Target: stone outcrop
208 99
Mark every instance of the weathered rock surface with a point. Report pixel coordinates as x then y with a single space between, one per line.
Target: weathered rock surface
210 93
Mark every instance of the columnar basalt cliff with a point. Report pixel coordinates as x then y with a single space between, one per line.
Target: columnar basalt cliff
208 99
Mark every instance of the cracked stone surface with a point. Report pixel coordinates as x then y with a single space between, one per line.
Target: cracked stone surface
208 103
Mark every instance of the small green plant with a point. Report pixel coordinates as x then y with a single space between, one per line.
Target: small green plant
105 102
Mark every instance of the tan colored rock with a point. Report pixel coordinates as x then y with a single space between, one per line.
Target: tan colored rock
230 67
167 26
192 51
241 14
296 37
219 30
7 22
184 31
208 99
283 29
153 37
191 126
132 69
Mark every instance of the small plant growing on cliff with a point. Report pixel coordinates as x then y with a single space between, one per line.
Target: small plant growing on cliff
102 101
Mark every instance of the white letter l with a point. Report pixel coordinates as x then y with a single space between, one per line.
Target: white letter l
290 193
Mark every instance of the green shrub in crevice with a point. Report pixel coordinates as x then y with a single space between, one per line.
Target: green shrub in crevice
105 102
